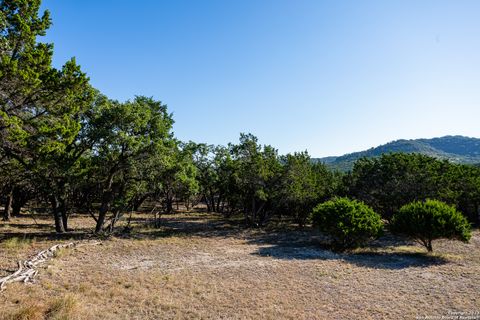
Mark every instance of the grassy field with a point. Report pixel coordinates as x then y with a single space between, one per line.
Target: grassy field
199 266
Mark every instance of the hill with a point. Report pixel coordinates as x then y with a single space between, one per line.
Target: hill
458 149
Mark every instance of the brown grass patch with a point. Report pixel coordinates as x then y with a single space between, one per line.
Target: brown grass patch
29 311
67 307
199 267
16 243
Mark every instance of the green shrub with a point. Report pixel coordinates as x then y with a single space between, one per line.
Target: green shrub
349 223
429 220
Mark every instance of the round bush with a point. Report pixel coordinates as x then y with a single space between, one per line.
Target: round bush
349 223
429 220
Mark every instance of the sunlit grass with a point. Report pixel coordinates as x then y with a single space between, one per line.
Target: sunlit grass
16 243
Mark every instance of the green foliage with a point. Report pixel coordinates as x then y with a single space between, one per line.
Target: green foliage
303 184
349 223
126 137
65 143
39 104
257 177
393 180
427 220
174 176
218 177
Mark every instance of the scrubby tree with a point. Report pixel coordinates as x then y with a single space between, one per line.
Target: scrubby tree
258 177
299 192
203 157
217 174
175 176
125 134
349 223
425 221
303 184
186 183
459 184
392 180
64 144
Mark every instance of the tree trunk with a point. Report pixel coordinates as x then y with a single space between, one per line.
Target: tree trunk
169 204
219 201
429 246
107 198
259 216
212 203
17 206
105 207
254 211
8 206
139 202
57 215
245 213
115 218
205 199
20 198
63 211
210 200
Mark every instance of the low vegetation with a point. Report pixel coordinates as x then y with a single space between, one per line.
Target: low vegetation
349 223
68 153
65 308
16 243
427 220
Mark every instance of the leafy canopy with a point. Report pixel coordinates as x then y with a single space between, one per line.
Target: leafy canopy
429 220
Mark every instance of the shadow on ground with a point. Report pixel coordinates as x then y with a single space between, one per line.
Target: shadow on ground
278 242
311 245
293 244
39 228
367 259
204 225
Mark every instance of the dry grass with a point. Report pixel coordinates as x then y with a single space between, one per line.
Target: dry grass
29 311
199 267
67 307
17 243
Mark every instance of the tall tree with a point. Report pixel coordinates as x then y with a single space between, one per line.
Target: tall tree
303 185
258 177
126 134
39 105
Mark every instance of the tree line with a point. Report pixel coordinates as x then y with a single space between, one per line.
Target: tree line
66 145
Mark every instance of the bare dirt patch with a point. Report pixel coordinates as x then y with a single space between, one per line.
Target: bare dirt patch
199 266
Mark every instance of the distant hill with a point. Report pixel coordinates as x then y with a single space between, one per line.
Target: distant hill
458 149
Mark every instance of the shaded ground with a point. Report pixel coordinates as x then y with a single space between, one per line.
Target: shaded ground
198 266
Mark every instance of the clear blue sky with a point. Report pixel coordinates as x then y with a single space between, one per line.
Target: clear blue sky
329 77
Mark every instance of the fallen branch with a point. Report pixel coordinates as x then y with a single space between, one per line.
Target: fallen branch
27 270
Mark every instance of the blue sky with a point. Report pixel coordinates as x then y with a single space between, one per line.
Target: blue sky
329 77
